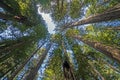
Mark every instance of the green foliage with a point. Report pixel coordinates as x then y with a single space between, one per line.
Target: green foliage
100 7
86 55
72 32
105 36
59 10
57 38
75 8
88 63
82 64
54 70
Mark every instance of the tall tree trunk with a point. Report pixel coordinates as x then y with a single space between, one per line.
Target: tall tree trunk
15 14
67 68
9 71
11 47
6 7
105 16
113 28
96 71
34 71
21 66
62 6
58 6
107 50
6 16
7 52
17 18
110 66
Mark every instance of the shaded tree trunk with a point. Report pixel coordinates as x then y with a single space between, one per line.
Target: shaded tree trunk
6 16
11 47
6 7
58 5
103 3
14 15
111 14
67 69
7 51
18 18
34 71
113 28
96 71
62 6
21 66
111 66
114 53
10 70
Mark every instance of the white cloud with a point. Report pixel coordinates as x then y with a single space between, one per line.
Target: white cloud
48 20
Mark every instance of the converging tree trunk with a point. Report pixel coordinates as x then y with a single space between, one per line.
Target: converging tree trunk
107 50
34 71
17 18
111 14
113 28
96 71
67 68
21 66
110 66
6 7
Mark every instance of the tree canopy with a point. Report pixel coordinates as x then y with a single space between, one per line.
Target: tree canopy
85 45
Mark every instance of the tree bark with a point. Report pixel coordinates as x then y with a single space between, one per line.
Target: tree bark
5 16
10 70
111 14
113 28
114 53
21 66
6 7
96 71
34 71
17 18
110 66
67 68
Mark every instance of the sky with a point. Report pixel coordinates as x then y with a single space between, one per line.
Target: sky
48 20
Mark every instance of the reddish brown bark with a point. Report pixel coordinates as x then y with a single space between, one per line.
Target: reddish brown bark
17 18
96 71
34 71
67 68
114 53
113 28
111 14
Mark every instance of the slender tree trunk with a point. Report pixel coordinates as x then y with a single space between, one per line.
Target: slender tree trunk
11 47
21 66
14 15
113 28
103 3
96 71
6 7
34 71
5 16
17 18
58 5
10 70
107 50
62 6
67 68
7 52
112 67
105 16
